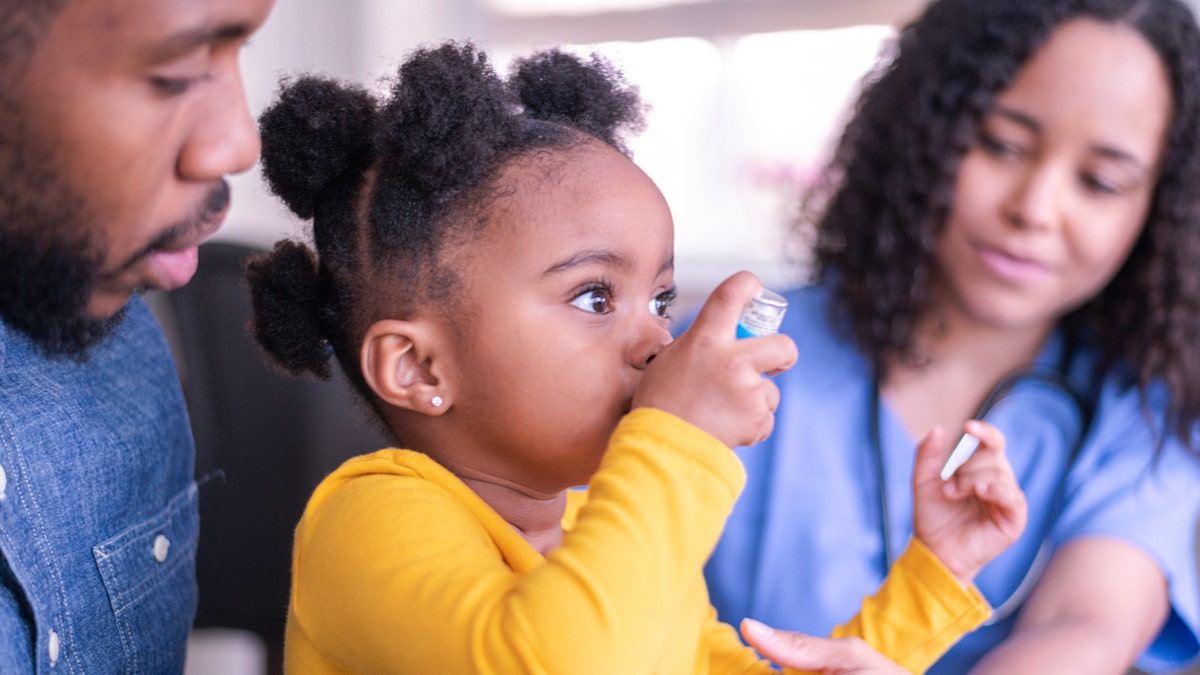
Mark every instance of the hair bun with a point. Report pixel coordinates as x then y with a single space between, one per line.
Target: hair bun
449 116
316 132
285 293
590 95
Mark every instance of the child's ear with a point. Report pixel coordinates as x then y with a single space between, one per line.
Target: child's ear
399 362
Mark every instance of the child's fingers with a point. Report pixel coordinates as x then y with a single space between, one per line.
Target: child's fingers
966 482
987 434
1003 494
992 482
989 453
808 652
762 426
718 319
719 315
931 455
770 354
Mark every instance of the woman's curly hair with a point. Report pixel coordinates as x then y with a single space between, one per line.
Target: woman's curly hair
388 183
890 185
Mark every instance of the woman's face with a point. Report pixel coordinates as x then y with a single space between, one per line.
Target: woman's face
1053 194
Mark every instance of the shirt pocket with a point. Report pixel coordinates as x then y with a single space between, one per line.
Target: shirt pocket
149 571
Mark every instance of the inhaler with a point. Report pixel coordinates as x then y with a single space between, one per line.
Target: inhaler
762 315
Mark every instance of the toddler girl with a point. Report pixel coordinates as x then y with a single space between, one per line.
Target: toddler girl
494 274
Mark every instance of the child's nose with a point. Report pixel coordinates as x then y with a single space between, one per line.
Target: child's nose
651 338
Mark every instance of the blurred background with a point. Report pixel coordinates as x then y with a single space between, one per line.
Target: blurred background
746 97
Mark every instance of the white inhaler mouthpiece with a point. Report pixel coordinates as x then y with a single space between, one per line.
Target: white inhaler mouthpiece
762 315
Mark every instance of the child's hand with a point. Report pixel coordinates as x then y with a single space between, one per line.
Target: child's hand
714 380
971 517
841 656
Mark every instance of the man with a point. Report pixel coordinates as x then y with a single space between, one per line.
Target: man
118 124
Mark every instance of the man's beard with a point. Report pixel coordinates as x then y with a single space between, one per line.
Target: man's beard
45 284
49 260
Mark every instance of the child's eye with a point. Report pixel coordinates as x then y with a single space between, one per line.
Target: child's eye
661 303
597 300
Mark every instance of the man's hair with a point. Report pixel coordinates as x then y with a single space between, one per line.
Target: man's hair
22 24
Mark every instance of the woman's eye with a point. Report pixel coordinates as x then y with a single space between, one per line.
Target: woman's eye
997 147
1100 185
660 304
596 300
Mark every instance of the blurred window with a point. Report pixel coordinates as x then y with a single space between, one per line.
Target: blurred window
739 124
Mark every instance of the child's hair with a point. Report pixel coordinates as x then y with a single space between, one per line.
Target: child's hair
389 184
890 186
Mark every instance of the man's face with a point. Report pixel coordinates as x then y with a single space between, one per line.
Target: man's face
115 138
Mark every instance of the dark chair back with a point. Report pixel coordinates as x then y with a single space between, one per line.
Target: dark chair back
265 440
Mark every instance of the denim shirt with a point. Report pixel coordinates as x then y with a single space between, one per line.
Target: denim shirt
98 506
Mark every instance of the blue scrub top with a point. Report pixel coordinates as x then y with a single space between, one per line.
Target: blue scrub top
804 545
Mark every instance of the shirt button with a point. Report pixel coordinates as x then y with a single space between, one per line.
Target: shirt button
3 482
53 648
161 545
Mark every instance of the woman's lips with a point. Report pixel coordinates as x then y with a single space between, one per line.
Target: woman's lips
1012 267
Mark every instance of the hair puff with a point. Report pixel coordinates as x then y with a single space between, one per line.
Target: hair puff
318 131
589 95
448 120
285 294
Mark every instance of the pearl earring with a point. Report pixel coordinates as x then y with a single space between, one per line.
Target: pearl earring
436 401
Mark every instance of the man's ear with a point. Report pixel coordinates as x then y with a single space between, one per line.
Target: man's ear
399 362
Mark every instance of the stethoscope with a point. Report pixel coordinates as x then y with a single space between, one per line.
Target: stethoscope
1054 378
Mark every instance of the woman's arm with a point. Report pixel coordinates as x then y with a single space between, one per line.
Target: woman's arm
1097 606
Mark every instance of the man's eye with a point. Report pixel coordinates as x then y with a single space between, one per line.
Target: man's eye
171 86
595 300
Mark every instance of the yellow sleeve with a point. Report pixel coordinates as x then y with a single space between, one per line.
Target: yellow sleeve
919 611
396 574
727 654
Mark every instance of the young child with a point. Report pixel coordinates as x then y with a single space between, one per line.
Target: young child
494 275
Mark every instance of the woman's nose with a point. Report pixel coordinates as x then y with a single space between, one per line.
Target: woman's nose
1035 201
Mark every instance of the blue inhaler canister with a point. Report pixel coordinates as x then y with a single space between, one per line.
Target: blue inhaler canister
762 315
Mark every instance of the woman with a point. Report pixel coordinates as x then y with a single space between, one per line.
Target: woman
1019 189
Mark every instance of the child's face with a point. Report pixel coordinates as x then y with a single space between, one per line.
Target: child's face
566 294
1053 194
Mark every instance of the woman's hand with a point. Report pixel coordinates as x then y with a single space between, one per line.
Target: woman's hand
842 656
713 380
978 512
